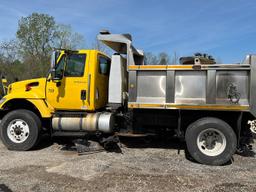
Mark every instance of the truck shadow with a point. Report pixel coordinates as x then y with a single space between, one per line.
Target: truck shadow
136 142
153 142
44 142
4 188
173 143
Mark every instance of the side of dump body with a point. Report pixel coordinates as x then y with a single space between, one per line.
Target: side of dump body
206 87
227 87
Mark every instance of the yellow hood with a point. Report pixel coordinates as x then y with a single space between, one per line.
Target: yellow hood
33 88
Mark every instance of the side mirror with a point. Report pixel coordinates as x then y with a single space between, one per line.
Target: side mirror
54 76
54 58
53 73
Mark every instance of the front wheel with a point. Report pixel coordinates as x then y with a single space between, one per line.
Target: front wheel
211 141
20 129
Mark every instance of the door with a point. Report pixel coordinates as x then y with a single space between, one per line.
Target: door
70 92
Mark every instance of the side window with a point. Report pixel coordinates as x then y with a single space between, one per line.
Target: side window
75 65
104 65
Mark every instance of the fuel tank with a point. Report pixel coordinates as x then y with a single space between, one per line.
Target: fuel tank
91 122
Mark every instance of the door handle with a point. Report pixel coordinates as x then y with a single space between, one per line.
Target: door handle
83 95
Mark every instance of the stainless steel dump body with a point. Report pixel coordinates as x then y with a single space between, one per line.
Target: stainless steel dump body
212 87
229 87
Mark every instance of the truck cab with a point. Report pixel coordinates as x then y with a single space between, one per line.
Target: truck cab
79 81
70 99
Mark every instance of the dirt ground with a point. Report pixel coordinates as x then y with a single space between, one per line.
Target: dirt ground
138 166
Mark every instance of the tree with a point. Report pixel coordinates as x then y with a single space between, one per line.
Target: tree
36 34
218 60
67 39
150 59
163 58
10 64
9 51
160 59
174 60
98 45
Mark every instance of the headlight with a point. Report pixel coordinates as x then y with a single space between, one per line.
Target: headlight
2 100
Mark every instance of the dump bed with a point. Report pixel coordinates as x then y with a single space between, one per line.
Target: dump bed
208 87
228 87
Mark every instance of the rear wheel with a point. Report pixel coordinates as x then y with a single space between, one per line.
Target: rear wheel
211 141
20 130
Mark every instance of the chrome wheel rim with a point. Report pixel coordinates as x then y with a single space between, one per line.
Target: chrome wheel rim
18 131
211 142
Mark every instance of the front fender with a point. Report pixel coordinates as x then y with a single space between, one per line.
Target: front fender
44 108
40 104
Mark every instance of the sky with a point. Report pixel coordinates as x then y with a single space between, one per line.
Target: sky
225 29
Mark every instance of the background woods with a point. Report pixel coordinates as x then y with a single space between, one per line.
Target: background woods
28 55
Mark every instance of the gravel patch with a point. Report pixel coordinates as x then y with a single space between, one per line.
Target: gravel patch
141 166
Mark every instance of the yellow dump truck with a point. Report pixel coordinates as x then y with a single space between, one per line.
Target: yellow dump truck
87 92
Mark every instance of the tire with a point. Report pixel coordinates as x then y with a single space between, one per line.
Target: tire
20 130
211 141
